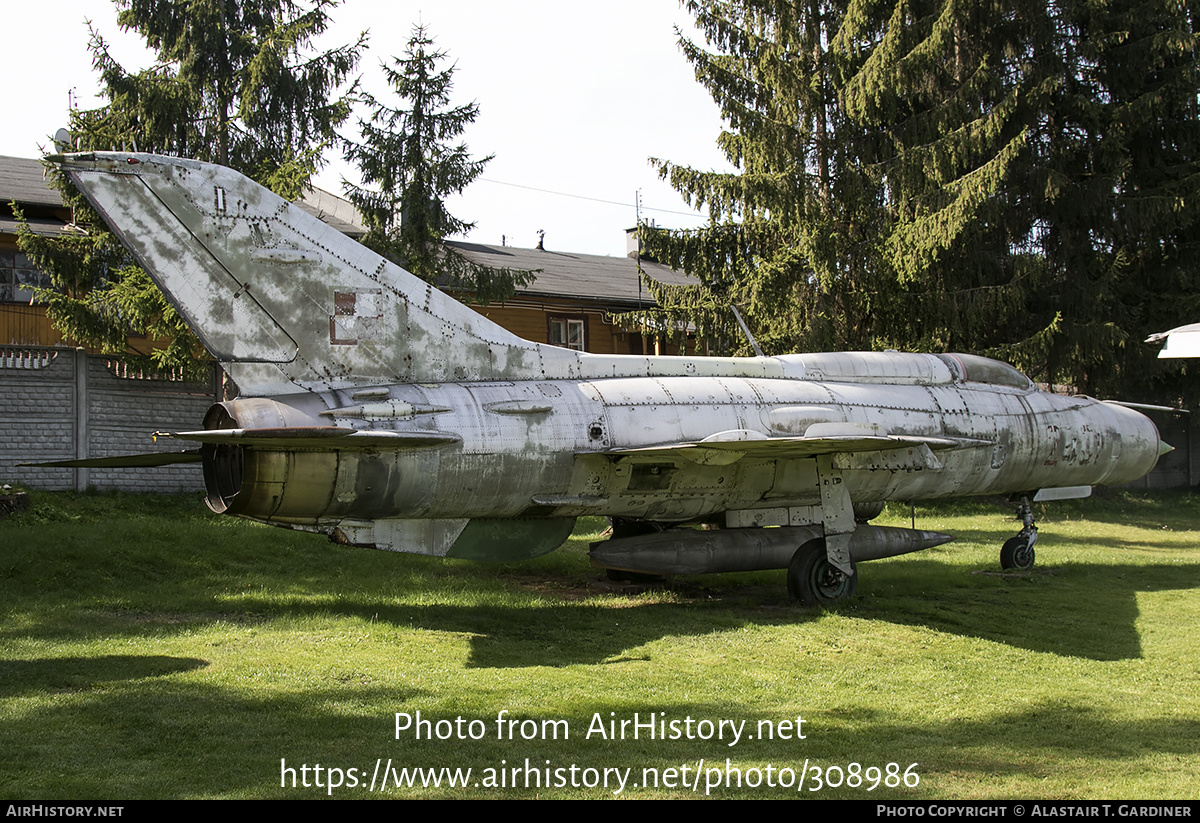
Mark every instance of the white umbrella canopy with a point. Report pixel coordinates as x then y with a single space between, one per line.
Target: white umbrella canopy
1183 341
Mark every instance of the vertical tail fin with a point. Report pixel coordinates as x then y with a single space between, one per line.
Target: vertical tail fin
278 297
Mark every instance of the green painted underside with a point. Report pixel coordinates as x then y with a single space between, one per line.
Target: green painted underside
506 540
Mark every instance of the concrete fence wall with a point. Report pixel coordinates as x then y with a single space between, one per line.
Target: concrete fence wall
64 404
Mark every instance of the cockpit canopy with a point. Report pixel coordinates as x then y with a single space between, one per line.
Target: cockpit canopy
895 368
972 368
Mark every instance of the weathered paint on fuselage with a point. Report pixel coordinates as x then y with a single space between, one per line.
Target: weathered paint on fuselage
546 448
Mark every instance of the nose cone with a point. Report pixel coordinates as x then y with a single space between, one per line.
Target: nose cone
1136 444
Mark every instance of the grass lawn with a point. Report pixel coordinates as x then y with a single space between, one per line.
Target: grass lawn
149 649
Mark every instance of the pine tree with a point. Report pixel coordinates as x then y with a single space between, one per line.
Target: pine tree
237 83
1121 211
409 165
872 140
1011 177
791 232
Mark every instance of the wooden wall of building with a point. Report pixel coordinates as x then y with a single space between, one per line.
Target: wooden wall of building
530 319
25 325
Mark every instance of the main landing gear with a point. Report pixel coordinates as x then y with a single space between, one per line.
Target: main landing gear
814 581
1017 552
625 527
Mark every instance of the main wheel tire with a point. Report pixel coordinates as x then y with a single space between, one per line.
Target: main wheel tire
625 527
814 581
1017 554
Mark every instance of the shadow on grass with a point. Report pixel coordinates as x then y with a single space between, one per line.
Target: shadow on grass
197 740
1080 610
164 732
1076 610
73 674
158 580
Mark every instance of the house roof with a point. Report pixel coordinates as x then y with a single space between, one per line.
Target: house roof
23 179
38 225
334 211
589 277
579 276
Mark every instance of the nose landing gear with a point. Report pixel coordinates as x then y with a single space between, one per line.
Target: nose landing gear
1017 552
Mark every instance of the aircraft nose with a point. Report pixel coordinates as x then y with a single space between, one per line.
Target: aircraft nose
1140 444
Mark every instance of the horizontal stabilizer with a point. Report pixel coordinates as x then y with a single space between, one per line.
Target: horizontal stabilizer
317 437
124 461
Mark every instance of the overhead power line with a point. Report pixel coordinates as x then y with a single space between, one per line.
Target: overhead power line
592 199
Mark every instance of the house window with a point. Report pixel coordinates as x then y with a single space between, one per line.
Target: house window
569 332
18 278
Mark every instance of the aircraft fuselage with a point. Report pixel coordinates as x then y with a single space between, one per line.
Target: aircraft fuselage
562 448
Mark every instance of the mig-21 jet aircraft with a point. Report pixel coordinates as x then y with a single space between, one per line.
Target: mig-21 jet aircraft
381 412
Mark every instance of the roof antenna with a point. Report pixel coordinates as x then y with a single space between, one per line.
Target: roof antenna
637 213
746 330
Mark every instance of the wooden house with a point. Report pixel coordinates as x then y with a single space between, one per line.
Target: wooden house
22 182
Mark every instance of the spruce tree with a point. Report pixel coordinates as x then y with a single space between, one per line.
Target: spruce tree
792 229
1013 178
872 141
409 165
236 82
1121 212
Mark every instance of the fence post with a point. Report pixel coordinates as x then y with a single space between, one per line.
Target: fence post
82 444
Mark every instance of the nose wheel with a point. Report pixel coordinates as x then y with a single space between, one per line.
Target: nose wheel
1017 552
